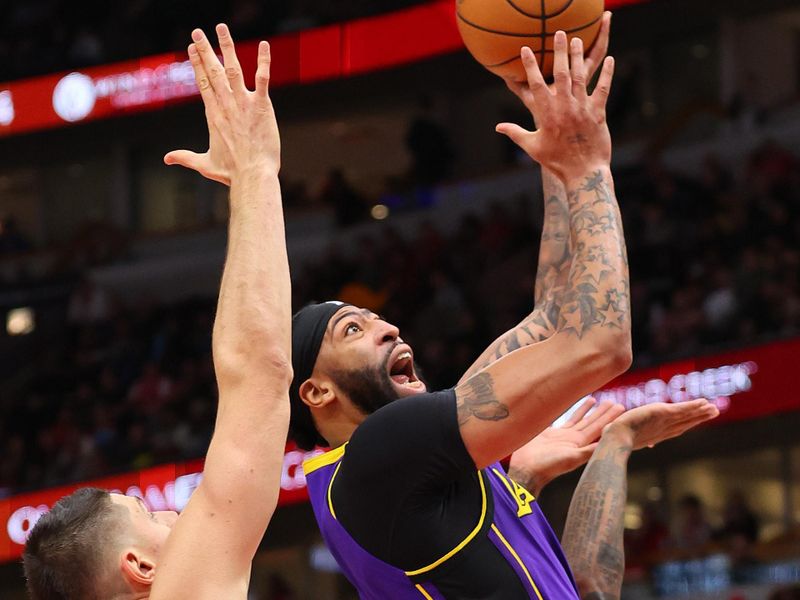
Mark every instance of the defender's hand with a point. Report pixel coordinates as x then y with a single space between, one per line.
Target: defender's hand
243 132
653 423
557 451
573 138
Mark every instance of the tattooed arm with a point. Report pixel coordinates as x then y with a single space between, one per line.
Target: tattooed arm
555 250
503 406
510 401
593 534
555 259
593 541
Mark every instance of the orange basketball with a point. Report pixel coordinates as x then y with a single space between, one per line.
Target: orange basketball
494 31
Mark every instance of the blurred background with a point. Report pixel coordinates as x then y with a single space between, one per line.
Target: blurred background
401 198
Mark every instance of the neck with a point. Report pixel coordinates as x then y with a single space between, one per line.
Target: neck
337 436
338 428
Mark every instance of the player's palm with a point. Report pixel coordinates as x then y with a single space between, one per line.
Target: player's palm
557 451
654 423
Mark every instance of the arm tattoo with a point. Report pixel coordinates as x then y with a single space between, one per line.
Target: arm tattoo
598 289
582 279
555 259
593 535
555 250
530 480
476 398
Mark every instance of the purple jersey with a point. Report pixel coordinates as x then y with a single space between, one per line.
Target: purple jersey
510 521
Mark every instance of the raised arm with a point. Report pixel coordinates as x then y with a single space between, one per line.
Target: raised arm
552 274
555 249
211 547
593 534
501 407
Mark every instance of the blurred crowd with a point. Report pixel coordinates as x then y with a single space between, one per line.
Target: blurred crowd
121 391
692 533
42 36
700 551
714 262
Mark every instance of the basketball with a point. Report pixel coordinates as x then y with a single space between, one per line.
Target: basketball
494 31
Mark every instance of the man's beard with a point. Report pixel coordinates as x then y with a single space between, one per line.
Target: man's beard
368 388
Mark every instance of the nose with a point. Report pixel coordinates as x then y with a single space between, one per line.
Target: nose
385 332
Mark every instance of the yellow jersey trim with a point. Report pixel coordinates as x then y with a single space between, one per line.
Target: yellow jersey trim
521 496
466 541
330 487
323 460
504 480
518 559
423 592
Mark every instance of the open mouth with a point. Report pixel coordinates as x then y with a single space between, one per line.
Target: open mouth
402 372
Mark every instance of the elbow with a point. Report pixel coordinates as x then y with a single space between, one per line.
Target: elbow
616 352
589 587
234 366
277 363
622 357
595 583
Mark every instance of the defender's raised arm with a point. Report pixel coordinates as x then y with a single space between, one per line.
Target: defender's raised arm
96 544
225 520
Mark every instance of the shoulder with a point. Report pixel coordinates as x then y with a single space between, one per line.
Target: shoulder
396 419
406 435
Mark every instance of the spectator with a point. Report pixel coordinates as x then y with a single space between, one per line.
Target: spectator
429 143
151 391
739 519
348 205
693 531
644 545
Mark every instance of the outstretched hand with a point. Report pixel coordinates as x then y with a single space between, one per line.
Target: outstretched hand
557 451
572 138
242 129
646 426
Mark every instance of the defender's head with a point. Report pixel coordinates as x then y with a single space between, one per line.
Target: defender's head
348 363
94 545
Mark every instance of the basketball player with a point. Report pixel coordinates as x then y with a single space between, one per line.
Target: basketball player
413 502
99 546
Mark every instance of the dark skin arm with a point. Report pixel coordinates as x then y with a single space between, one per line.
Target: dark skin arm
556 250
598 558
560 450
503 406
593 535
552 274
555 451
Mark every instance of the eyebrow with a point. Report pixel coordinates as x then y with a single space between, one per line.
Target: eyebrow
364 313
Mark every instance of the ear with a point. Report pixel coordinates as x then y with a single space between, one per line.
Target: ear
316 393
137 569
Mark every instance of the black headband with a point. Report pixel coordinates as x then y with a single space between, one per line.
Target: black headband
309 325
